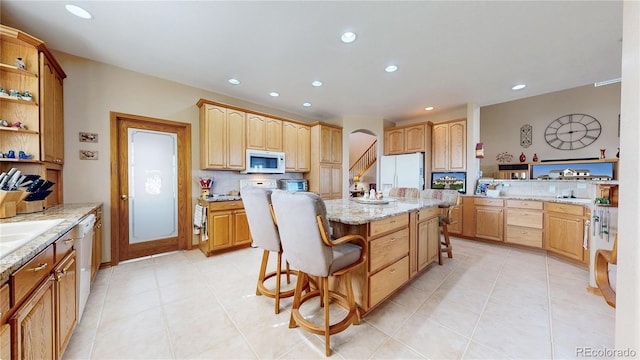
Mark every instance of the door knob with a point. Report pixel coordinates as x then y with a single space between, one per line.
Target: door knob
124 197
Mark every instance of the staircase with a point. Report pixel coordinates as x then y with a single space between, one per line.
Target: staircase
366 160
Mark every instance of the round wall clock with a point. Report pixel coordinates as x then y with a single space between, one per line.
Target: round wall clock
572 132
525 135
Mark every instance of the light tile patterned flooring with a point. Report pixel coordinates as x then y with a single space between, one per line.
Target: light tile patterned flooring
488 302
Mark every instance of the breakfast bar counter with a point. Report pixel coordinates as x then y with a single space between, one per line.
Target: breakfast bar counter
402 238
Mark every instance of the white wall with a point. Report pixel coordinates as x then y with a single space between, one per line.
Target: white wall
500 124
350 124
628 288
91 91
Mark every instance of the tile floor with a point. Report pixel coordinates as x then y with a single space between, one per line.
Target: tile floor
488 302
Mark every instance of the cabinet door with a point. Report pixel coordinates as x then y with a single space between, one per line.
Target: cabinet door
256 131
290 145
66 301
5 341
304 148
213 142
439 150
336 146
393 141
414 139
51 113
457 146
273 135
326 175
564 235
489 223
428 242
456 226
96 257
241 233
33 325
236 142
220 229
336 181
325 144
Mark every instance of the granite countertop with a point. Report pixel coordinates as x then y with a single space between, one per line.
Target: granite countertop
576 201
349 211
71 213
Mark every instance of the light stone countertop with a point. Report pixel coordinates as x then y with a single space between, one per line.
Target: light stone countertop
575 201
71 213
349 211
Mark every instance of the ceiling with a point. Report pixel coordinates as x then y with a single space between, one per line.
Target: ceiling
448 53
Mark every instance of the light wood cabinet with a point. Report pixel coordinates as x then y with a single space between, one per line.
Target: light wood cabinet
525 223
428 242
456 226
325 175
264 133
489 219
227 227
66 301
565 231
404 140
5 341
296 139
448 152
51 112
222 138
96 256
384 282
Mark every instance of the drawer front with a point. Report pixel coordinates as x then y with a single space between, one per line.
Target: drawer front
226 205
388 224
428 213
64 245
387 249
386 281
4 302
488 202
565 208
525 204
524 236
526 218
31 274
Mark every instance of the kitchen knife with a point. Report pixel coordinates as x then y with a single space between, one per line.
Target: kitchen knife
14 180
29 178
21 180
4 181
47 184
40 195
35 185
2 176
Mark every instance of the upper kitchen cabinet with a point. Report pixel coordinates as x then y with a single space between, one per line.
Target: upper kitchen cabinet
404 140
222 137
264 133
325 176
449 146
296 140
51 110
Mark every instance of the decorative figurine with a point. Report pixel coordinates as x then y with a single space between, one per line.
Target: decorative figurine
535 157
602 153
20 64
24 156
4 123
26 95
618 153
14 93
10 154
522 157
3 92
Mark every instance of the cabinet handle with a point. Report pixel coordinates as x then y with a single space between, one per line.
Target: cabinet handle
40 267
66 241
392 270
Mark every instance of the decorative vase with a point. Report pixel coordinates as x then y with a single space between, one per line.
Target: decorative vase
602 153
618 153
523 158
535 157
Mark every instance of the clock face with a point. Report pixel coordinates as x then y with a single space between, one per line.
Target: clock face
525 135
572 132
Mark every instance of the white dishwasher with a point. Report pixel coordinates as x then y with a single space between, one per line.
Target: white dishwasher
83 233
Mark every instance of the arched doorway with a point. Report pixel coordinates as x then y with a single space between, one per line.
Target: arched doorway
362 160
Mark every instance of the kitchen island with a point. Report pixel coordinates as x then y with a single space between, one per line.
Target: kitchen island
402 240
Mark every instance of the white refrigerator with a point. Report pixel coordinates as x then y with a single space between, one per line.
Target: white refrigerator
406 170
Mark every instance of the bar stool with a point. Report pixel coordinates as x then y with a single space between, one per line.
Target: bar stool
405 193
451 199
257 205
605 272
303 228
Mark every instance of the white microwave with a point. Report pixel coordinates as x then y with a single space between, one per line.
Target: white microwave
264 162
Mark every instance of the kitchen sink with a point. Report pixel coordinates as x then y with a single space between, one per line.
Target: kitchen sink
14 235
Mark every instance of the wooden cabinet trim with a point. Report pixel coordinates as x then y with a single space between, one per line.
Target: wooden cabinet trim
389 224
388 249
25 279
383 283
525 204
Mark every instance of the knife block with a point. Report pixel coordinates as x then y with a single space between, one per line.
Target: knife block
27 207
8 201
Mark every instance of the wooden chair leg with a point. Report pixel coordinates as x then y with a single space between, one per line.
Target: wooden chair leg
447 242
278 272
263 270
327 322
351 299
296 297
288 273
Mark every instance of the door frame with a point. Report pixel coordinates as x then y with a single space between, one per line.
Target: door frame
184 180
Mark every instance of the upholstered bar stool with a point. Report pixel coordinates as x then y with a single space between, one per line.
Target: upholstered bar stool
257 205
405 193
451 199
303 228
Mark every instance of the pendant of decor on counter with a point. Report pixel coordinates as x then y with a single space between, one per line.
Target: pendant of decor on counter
535 157
523 158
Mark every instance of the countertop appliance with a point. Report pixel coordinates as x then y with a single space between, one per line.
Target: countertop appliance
406 170
83 232
264 162
293 184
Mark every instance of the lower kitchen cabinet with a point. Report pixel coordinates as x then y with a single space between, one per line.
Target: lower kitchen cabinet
96 256
5 341
524 223
227 227
489 218
565 231
66 291
455 227
428 247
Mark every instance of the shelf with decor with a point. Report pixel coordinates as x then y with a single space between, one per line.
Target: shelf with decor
16 70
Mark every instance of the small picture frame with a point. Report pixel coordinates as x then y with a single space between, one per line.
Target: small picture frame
88 137
88 155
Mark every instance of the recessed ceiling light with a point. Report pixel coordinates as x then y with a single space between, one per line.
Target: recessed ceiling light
317 83
274 94
348 37
391 68
78 11
429 108
234 81
307 104
519 87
